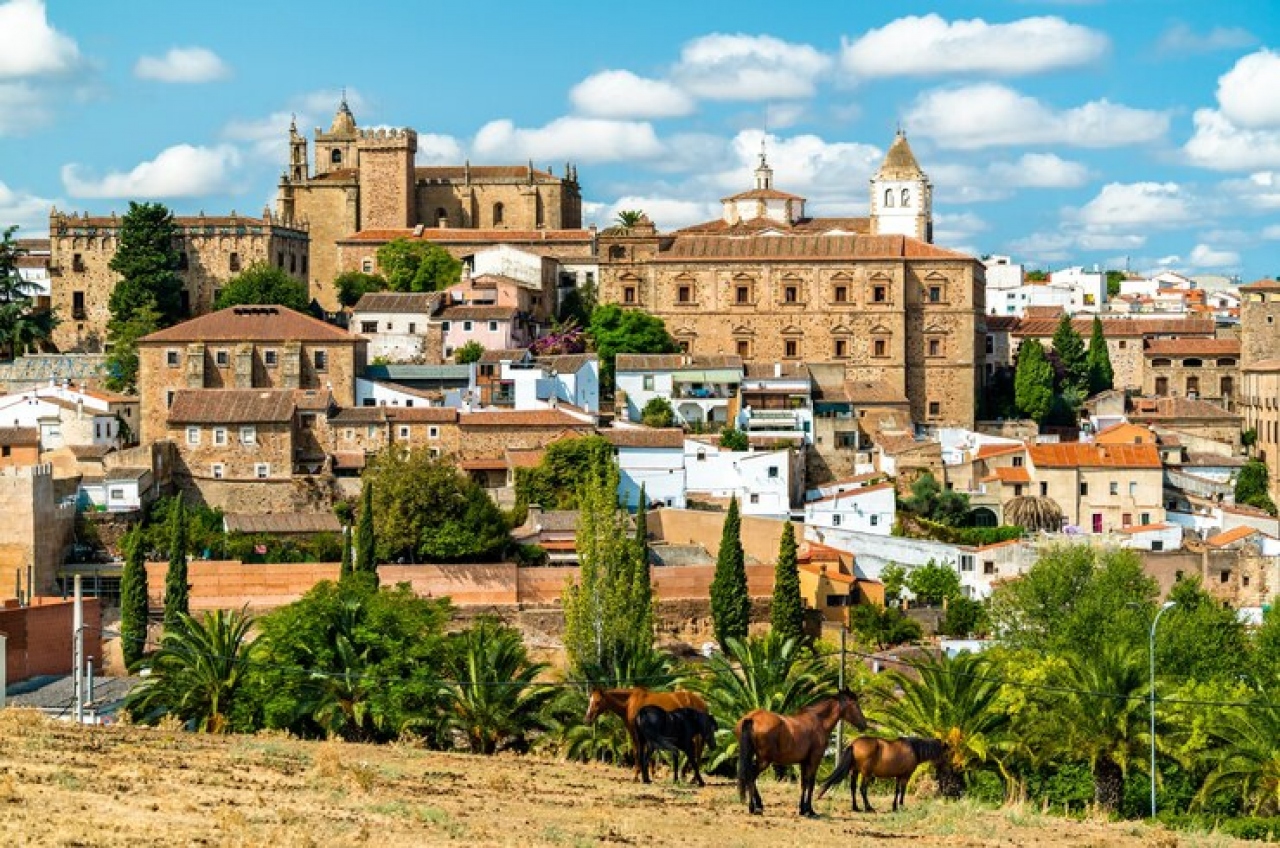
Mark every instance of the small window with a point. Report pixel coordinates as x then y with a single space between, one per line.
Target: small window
879 294
1044 489
1133 489
742 294
1017 490
1017 462
935 347
404 431
988 566
433 432
879 348
335 157
875 520
1126 519
117 494
773 472
221 358
648 382
935 294
293 263
371 430
791 294
279 258
368 327
77 262
193 435
262 470
1113 488
1157 545
248 435
444 326
321 360
1225 577
413 328
791 349
935 408
906 197
702 455
991 344
219 436
744 348
755 498
466 326
841 294
841 349
493 326
835 520
629 294
684 294
216 470
1146 518
233 262
172 358
168 398
366 266
269 358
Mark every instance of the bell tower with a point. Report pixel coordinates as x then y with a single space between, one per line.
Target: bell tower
901 195
297 153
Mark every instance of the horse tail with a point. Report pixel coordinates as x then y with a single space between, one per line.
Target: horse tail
746 756
843 766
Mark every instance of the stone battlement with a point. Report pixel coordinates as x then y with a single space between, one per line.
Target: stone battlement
67 223
387 137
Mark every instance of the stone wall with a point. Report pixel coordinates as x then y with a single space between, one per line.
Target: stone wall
36 530
331 210
487 441
387 175
1259 327
299 493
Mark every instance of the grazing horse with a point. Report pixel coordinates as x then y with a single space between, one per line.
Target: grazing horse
871 757
685 730
766 738
627 703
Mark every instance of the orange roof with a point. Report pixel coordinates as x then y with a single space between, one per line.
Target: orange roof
1012 475
1263 285
989 450
1144 528
1235 534
1124 433
525 457
449 234
1084 455
833 576
705 248
484 463
647 437
1043 328
252 323
522 418
1193 347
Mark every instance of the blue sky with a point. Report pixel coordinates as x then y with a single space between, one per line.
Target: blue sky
1061 133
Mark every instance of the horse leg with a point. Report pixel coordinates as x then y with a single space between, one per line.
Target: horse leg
675 765
691 758
642 758
866 802
757 803
853 790
637 745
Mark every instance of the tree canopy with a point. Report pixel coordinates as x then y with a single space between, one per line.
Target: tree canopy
615 330
1098 361
1070 351
1252 486
262 283
21 324
352 285
658 413
730 600
556 481
468 353
417 266
1033 381
147 263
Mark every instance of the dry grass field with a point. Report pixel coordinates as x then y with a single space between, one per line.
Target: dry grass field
62 785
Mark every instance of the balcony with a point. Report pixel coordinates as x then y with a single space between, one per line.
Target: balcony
696 391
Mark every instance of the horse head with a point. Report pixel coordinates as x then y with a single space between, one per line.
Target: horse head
851 710
595 705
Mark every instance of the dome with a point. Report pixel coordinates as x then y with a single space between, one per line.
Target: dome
343 121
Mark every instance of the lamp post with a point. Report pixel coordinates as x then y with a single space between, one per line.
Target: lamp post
1151 645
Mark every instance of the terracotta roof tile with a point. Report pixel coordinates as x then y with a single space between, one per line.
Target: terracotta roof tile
19 436
674 362
397 302
988 450
1085 455
478 313
1012 474
1235 534
755 226
644 437
1263 285
481 173
523 418
1143 528
232 406
524 457
1192 347
706 248
762 194
448 234
252 323
282 522
1123 433
1043 328
503 355
867 393
1177 407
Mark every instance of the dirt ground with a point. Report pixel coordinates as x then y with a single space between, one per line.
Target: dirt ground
62 785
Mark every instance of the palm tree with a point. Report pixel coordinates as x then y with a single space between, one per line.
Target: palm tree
198 673
1033 514
954 699
628 218
493 700
768 673
1246 761
1104 717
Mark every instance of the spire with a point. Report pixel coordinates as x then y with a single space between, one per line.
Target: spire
900 163
343 120
764 174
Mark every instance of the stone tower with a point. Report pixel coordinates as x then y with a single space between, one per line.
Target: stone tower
901 195
336 150
1259 321
387 180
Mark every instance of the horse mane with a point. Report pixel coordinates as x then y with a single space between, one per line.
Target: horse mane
924 750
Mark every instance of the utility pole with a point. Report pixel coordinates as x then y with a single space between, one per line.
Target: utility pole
77 651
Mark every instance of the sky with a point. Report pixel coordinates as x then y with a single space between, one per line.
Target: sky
1140 134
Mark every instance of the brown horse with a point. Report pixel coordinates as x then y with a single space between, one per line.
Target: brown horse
627 703
766 738
871 757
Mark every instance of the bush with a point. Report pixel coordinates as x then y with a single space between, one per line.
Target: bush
658 413
973 536
734 440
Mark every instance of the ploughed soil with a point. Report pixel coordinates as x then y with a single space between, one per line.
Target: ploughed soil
65 785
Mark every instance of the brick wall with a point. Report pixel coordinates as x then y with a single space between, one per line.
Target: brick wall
39 637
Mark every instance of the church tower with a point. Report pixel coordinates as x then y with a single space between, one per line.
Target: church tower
336 149
297 154
901 195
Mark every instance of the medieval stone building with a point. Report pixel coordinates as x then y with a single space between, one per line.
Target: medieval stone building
211 250
768 283
367 181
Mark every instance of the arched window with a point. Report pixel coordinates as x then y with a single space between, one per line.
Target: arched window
335 156
906 197
497 214
442 217
1192 363
888 198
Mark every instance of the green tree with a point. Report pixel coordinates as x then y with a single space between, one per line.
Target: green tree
894 578
199 674
1069 348
733 439
135 608
957 701
347 567
1199 638
1033 381
1075 598
556 481
603 632
934 583
964 617
353 285
929 500
1266 639
657 413
417 266
628 218
1037 276
1114 279
21 324
469 353
424 510
883 627
1251 486
614 330
730 600
147 263
122 361
492 698
176 587
366 554
264 284
641 598
787 613
1098 361
1245 756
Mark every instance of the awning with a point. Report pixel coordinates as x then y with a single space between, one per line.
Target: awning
714 375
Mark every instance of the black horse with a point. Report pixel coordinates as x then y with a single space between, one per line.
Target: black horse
682 731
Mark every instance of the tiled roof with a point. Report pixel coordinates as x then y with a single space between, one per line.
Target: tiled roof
1011 474
830 573
853 493
1143 528
644 437
1263 365
19 436
503 355
484 463
523 418
477 313
893 444
1084 455
674 362
762 194
90 451
282 522
524 457
1235 534
804 226
459 235
1193 347
399 414
1178 407
313 400
1001 323
566 363
988 450
899 162
869 393
415 303
232 406
481 173
709 248
776 370
1123 433
1043 328
1263 285
252 323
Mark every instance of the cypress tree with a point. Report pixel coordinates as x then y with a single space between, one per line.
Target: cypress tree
345 569
134 606
1033 381
641 630
1101 375
366 544
787 614
176 589
1069 348
730 602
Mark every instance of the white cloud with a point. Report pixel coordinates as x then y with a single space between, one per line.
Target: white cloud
22 108
28 211
1259 191
989 115
1220 145
748 67
1272 232
622 94
1142 205
183 65
179 171
1039 170
832 175
434 149
779 116
29 46
951 229
1043 248
578 139
1203 256
932 46
1180 38
667 213
267 138
1247 92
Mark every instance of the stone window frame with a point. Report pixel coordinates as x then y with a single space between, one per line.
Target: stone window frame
270 358
222 358
366 265
220 436
684 295
791 348
880 293
433 432
743 347
217 470
193 435
629 295
935 347
934 409
840 293
261 470
320 359
368 327
248 434
173 358
840 348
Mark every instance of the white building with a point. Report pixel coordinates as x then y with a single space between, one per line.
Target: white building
395 324
777 404
1089 288
702 390
866 509
1152 537
760 480
516 379
652 458
1002 273
67 417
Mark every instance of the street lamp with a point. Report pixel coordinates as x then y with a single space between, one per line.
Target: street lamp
1151 644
